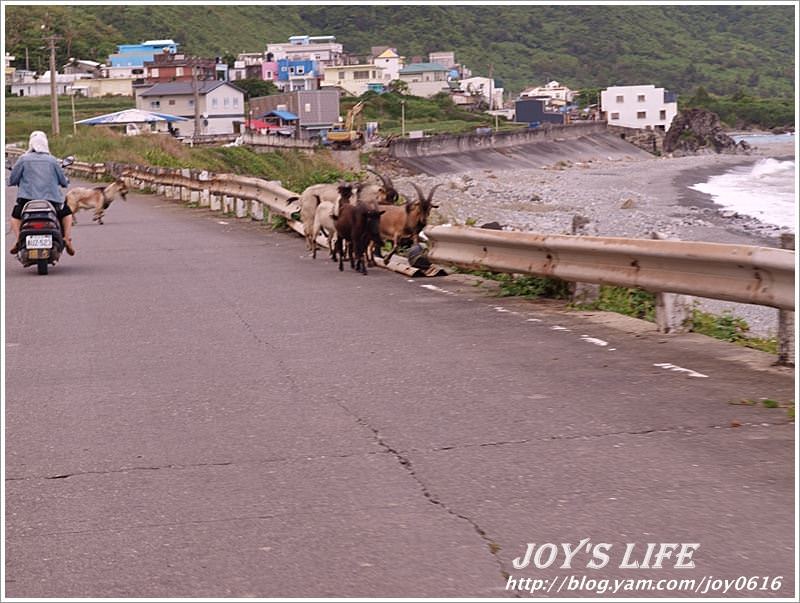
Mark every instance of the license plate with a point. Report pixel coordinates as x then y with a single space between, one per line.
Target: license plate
39 241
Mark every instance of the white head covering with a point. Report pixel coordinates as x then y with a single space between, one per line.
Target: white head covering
38 142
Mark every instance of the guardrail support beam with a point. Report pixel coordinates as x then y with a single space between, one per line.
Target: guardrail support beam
786 349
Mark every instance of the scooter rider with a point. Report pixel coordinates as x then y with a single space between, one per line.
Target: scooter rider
39 175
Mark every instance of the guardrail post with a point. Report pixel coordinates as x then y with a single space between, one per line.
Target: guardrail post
241 208
583 293
227 204
673 310
256 210
215 202
786 319
205 194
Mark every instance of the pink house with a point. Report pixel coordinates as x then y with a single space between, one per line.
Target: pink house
269 71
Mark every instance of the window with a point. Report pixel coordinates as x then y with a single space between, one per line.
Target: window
641 115
307 107
154 72
361 75
235 101
300 70
640 98
662 115
155 104
171 101
214 103
226 102
178 71
620 99
615 116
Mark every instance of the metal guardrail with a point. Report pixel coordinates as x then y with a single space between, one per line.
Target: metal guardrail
739 273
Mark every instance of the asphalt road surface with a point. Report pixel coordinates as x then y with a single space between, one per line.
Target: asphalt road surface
195 408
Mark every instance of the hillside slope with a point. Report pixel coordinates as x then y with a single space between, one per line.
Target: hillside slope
723 48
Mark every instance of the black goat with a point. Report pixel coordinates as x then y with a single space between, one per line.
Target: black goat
357 225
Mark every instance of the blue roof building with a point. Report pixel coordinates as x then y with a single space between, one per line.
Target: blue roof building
134 55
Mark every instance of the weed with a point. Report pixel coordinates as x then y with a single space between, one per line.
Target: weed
770 403
730 328
528 286
630 302
279 222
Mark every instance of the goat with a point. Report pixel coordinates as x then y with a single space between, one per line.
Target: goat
313 196
98 198
357 225
377 194
398 223
324 223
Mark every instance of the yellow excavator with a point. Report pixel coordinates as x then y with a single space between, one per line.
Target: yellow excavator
348 136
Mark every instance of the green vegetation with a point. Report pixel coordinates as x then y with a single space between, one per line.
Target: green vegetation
294 169
630 302
25 114
721 47
743 111
530 287
731 328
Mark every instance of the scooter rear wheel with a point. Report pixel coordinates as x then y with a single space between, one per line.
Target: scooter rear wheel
41 266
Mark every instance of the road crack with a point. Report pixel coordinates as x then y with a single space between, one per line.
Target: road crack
405 462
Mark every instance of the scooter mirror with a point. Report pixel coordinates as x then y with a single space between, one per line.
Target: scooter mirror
69 160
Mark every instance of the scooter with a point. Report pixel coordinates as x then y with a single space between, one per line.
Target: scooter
40 236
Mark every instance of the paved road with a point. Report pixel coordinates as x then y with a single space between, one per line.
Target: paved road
196 408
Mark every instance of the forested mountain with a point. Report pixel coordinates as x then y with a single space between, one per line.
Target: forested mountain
725 49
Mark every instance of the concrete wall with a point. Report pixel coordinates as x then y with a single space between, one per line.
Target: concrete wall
441 145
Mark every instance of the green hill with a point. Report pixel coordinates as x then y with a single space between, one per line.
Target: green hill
725 49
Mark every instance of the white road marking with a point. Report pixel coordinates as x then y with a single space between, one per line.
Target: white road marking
594 340
680 369
437 289
559 328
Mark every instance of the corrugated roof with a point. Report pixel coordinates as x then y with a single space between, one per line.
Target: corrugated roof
285 115
422 67
179 88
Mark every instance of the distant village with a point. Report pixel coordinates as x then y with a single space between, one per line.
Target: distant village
312 73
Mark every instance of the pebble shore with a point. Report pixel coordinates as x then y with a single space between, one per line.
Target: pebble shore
620 198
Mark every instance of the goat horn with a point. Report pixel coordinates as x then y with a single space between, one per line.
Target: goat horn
386 182
430 194
419 192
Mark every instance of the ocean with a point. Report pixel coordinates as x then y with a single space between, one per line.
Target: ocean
765 190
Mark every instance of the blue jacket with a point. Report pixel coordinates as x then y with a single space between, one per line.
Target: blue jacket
39 176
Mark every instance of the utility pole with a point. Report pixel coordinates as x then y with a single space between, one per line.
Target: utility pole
196 99
51 40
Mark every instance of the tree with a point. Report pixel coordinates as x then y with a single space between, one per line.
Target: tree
398 86
254 87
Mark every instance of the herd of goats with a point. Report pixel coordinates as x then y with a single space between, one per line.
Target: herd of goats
355 217
358 217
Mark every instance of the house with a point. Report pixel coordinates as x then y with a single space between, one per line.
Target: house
354 79
247 66
425 79
322 49
84 68
482 89
316 110
297 74
106 86
535 111
220 104
28 83
391 62
552 90
174 67
129 59
643 107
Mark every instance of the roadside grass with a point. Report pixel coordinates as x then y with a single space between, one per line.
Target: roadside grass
637 303
767 403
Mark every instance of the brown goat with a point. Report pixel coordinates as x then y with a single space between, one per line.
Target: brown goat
97 198
406 222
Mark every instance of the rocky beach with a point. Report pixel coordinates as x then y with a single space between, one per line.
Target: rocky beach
620 197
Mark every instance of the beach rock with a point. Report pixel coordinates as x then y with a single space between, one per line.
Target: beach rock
698 131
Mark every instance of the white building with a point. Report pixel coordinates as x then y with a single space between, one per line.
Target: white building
355 79
27 83
391 62
485 88
551 90
643 107
323 49
425 79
